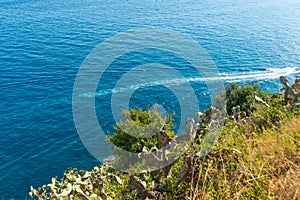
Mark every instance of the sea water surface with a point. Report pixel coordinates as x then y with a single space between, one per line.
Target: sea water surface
43 44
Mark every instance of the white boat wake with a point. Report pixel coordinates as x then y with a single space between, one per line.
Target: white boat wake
267 74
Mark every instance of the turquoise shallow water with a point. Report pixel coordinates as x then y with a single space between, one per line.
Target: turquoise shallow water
43 44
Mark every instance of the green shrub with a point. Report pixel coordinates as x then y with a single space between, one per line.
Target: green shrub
243 96
138 130
140 123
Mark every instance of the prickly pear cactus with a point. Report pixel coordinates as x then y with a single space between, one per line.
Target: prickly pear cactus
292 93
79 185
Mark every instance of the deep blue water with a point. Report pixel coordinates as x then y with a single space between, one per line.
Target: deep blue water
43 44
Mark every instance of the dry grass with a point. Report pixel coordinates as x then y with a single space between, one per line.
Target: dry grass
287 184
250 166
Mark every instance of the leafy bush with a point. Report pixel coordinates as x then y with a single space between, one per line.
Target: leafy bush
243 96
132 134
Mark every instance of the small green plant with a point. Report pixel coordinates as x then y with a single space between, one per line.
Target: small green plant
139 130
138 122
243 96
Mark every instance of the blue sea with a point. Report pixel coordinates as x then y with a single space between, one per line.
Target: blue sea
44 43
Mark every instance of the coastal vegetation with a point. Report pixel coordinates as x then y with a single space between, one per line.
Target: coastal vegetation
257 156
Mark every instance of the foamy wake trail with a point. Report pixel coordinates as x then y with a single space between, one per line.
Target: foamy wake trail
268 74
